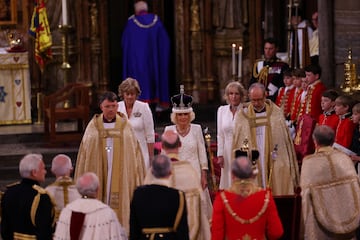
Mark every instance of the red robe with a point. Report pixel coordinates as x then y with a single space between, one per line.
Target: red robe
330 119
345 130
295 105
285 98
226 226
312 103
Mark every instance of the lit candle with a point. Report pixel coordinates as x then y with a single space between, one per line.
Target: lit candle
233 59
240 62
64 12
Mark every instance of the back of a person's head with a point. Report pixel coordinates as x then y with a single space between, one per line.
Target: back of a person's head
242 168
161 166
61 165
314 69
140 6
29 163
323 135
332 94
170 140
88 185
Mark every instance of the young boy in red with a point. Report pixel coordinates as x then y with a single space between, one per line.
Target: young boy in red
298 76
329 116
345 128
286 94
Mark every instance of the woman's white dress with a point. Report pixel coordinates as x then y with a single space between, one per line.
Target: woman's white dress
193 150
142 123
225 128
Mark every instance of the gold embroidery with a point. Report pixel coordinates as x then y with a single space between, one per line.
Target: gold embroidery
250 220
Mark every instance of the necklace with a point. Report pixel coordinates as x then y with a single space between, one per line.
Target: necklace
183 133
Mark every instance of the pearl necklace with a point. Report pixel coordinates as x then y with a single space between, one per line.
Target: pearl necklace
183 133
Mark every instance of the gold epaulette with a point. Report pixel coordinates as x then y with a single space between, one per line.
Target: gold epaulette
12 184
39 189
36 201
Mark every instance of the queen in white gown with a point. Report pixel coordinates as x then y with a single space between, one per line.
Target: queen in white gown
139 116
234 96
192 141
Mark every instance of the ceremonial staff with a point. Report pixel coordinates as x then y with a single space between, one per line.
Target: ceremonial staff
211 158
274 155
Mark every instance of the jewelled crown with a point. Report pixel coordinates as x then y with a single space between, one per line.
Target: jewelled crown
182 102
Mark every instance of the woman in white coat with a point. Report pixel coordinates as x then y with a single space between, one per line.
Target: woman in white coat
234 96
139 116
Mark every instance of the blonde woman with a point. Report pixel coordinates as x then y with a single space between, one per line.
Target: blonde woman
234 96
139 116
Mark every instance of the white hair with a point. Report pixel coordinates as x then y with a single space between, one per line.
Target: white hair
61 165
29 163
88 184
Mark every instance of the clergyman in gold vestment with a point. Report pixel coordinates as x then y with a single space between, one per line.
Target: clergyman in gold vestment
263 125
109 149
330 191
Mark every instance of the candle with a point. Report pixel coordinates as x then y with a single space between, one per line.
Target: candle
233 59
240 62
64 12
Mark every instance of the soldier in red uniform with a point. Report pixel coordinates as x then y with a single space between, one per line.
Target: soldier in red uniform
269 70
245 211
345 128
329 116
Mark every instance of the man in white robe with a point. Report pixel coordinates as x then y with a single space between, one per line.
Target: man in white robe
88 218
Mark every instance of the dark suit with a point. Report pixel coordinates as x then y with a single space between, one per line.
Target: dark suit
156 206
16 207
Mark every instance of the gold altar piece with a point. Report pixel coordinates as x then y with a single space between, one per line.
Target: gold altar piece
350 83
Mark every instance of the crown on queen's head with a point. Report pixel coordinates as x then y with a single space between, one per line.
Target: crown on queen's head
182 102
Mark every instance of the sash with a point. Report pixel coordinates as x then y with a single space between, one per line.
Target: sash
258 121
116 134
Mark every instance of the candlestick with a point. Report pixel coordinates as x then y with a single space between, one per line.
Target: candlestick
240 62
233 59
64 12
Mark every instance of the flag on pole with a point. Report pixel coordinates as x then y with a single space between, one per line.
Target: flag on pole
40 31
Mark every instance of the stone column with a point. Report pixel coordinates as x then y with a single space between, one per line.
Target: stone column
326 42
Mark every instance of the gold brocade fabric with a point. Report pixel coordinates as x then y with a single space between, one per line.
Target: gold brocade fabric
128 167
330 195
285 173
184 178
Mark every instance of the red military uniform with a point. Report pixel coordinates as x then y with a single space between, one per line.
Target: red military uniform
285 98
245 217
312 103
295 105
330 119
345 130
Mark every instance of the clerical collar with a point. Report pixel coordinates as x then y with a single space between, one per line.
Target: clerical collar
328 113
107 121
346 115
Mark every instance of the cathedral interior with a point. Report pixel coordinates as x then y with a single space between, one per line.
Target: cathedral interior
201 33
